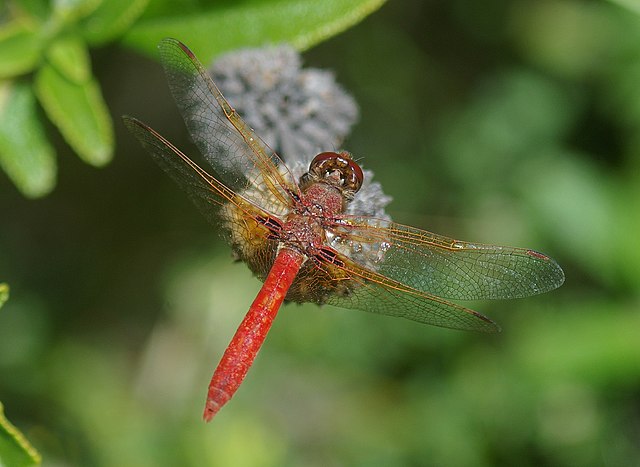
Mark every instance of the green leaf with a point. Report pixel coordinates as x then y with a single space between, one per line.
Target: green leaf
111 19
20 48
70 11
4 293
631 5
25 154
79 112
40 9
15 450
302 23
70 57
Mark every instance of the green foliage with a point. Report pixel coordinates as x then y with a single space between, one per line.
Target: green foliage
25 153
4 293
15 450
20 48
77 109
50 42
505 121
111 19
630 4
218 27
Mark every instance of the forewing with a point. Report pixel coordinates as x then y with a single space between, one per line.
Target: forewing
238 156
206 192
446 267
366 290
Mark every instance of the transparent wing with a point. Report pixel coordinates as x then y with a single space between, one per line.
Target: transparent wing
206 192
366 290
238 156
446 267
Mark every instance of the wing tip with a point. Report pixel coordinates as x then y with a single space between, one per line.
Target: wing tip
488 326
170 42
554 272
134 125
130 121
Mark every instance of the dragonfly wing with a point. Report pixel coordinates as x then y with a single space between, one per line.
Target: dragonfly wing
446 267
366 290
206 192
238 156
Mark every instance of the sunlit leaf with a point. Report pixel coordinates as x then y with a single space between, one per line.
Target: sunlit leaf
111 19
4 293
631 5
20 47
79 112
70 58
15 450
302 23
25 154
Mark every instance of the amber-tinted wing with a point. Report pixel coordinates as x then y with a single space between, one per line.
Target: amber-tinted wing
449 268
206 192
363 289
240 159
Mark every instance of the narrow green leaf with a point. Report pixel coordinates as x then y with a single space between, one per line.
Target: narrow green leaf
15 450
79 112
111 19
70 57
25 154
302 23
20 48
4 293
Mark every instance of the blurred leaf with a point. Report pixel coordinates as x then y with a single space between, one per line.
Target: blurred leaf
111 19
632 5
40 9
573 203
628 226
25 154
70 11
512 116
20 48
79 112
570 38
622 93
302 23
15 450
4 293
70 58
159 8
590 340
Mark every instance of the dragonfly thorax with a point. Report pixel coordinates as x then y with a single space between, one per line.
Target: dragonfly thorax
322 199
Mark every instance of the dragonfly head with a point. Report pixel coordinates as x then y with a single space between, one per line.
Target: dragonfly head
336 169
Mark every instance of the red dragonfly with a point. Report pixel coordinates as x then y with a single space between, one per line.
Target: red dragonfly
295 235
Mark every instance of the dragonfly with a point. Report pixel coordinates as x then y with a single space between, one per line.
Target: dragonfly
296 235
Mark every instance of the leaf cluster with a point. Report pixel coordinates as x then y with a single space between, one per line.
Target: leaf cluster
45 63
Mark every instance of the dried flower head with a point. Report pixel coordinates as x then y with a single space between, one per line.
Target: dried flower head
298 112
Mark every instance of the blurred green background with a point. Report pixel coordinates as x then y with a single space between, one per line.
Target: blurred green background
509 122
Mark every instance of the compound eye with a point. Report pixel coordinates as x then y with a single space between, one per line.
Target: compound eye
326 163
